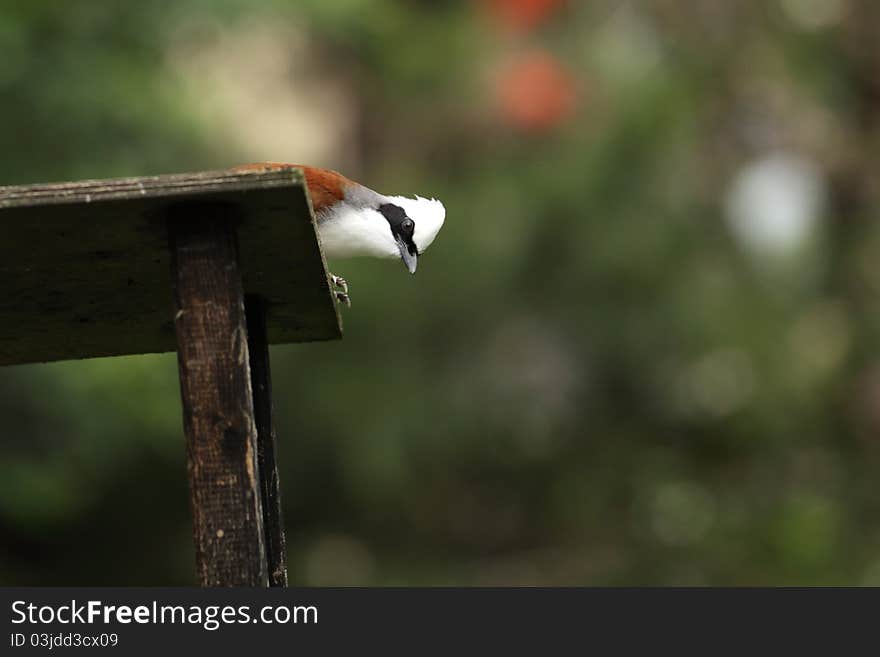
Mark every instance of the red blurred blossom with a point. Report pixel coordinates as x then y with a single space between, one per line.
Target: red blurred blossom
535 92
521 15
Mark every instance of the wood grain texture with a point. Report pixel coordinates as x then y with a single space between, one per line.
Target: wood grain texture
84 266
215 387
261 384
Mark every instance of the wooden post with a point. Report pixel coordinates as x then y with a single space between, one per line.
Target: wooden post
86 274
261 382
215 385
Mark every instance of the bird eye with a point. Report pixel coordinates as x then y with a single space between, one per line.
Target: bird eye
407 225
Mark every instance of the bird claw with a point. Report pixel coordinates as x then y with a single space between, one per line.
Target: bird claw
339 282
342 293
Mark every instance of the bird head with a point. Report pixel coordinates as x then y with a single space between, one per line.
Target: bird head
413 224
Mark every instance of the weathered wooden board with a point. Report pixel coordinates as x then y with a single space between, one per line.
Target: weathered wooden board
267 452
84 266
217 400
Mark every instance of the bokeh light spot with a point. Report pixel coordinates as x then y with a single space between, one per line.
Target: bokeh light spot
774 204
536 93
521 15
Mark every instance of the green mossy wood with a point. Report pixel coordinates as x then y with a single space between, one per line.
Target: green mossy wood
112 267
85 267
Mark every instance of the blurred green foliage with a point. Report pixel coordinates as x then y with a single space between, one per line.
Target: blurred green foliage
619 363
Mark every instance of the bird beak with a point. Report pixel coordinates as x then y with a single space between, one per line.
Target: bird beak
409 259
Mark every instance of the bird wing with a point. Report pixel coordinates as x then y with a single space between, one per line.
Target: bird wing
326 187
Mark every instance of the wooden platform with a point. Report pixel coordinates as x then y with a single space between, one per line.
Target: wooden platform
85 270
